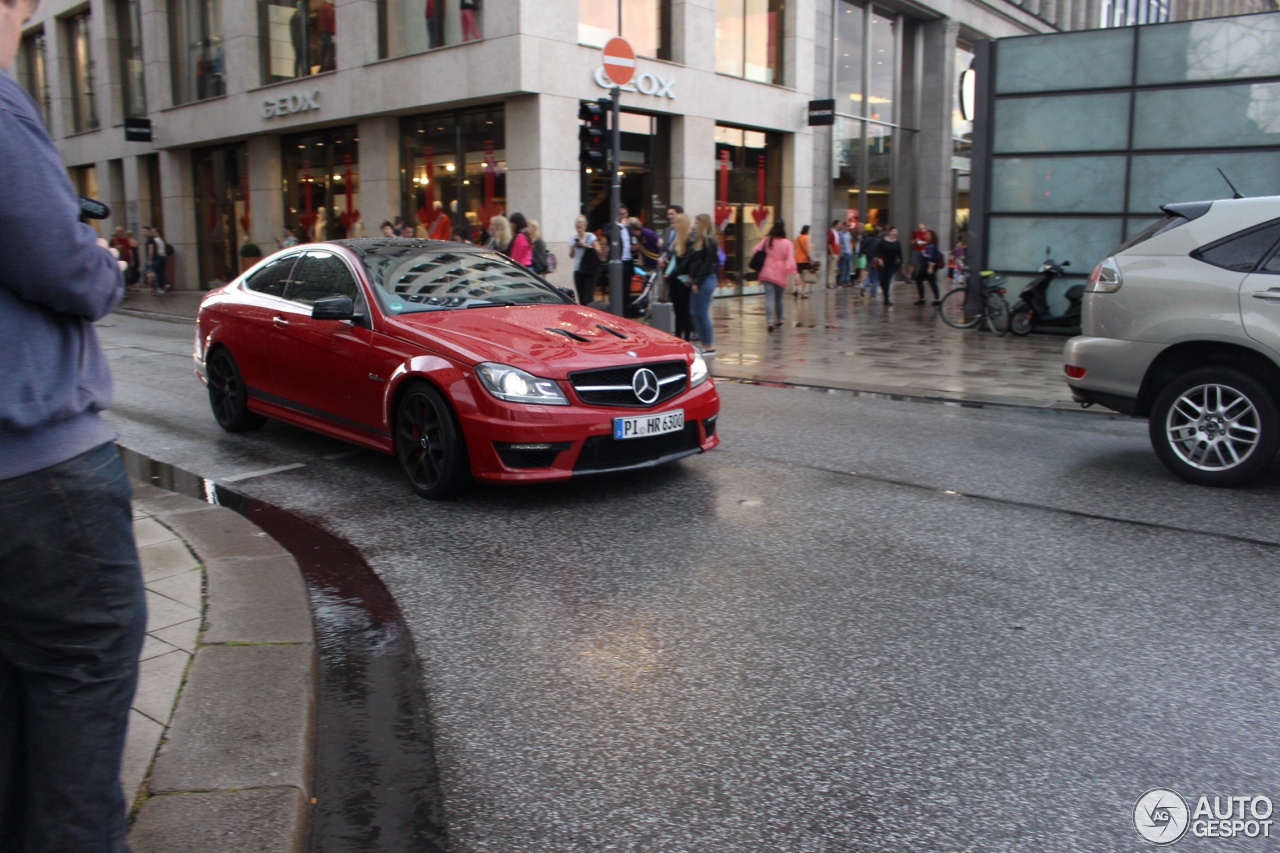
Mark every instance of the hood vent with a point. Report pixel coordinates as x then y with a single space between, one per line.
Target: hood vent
613 332
570 335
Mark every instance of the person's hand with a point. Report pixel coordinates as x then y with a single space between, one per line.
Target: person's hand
115 253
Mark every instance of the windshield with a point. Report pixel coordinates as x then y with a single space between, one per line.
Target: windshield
412 278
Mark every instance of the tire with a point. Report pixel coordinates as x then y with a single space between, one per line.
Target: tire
1021 320
997 314
228 396
951 310
1215 426
429 443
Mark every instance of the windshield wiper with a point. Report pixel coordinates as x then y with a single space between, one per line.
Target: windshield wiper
487 304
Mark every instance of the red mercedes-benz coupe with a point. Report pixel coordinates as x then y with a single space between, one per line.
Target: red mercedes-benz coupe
452 357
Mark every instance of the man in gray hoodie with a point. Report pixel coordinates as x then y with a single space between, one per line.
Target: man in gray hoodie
72 613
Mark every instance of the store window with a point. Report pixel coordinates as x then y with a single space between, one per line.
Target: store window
454 173
199 59
31 70
961 144
412 26
297 38
322 184
646 174
129 49
643 23
748 175
223 216
84 108
749 39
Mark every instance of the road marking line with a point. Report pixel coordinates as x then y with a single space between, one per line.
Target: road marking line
344 454
264 472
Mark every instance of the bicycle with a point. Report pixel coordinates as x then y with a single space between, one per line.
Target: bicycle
994 308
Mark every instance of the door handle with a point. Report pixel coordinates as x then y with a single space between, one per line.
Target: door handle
1272 295
280 322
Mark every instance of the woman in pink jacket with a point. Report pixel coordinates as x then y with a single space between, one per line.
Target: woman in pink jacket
779 266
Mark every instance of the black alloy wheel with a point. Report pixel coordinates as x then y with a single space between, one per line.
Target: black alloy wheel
429 443
228 396
1215 426
1022 320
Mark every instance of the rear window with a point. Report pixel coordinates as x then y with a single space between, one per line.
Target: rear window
1175 215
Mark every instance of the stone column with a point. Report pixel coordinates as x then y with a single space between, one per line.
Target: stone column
240 45
543 170
693 164
379 171
266 202
177 188
935 144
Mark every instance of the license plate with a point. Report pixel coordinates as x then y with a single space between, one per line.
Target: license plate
646 425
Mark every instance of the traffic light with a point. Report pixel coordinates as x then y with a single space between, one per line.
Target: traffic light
593 137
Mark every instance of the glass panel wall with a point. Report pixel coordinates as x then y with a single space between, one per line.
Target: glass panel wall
640 22
222 212
199 60
646 174
84 108
412 26
454 173
129 44
297 38
748 193
749 39
31 70
322 184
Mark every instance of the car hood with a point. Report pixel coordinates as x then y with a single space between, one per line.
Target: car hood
549 340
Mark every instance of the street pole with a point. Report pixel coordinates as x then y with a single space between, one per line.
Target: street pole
617 305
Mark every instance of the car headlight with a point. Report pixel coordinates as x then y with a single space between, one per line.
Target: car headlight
697 372
516 386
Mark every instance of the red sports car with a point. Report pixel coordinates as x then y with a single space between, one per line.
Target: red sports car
452 357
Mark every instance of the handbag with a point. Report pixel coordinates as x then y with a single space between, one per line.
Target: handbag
757 260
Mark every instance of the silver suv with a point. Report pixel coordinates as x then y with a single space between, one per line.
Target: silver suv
1181 326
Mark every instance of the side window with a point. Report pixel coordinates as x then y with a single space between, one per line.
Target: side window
320 275
1241 252
1273 263
273 278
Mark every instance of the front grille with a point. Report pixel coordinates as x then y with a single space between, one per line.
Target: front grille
516 456
611 386
605 453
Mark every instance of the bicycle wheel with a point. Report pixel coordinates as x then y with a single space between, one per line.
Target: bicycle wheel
997 314
951 310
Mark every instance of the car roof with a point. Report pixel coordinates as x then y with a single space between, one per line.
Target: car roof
364 244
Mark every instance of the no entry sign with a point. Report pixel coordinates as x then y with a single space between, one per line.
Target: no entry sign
619 61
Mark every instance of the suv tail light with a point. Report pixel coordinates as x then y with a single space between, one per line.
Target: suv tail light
1075 372
1105 278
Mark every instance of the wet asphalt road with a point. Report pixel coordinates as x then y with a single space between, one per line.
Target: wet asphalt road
862 624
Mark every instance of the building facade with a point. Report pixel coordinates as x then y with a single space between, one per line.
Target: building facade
328 118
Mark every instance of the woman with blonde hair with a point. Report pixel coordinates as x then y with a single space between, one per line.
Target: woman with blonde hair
499 234
704 274
678 284
586 261
539 247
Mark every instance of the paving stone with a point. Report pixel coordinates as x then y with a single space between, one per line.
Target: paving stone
215 533
148 531
183 635
159 680
185 587
163 611
268 820
139 748
257 601
244 720
161 559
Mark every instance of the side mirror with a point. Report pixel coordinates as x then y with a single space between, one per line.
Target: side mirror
334 308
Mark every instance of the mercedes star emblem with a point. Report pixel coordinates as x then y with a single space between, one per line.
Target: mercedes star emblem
645 384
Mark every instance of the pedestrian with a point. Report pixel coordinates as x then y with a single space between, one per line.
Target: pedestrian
868 246
72 606
779 266
678 273
833 250
121 242
703 275
387 229
844 275
888 260
927 269
804 257
539 246
521 248
673 210
645 245
918 241
467 12
287 239
499 234
157 259
586 261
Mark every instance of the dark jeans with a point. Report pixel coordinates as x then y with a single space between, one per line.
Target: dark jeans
72 621
680 294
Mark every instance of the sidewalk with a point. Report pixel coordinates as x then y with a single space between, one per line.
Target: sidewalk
218 755
837 339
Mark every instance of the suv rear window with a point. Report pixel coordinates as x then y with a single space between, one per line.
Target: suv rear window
1175 215
1242 251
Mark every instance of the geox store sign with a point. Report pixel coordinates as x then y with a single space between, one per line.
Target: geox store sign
290 104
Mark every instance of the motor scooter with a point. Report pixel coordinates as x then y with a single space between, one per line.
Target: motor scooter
1031 311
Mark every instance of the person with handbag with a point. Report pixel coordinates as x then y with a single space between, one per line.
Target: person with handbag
678 275
776 271
888 260
586 261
